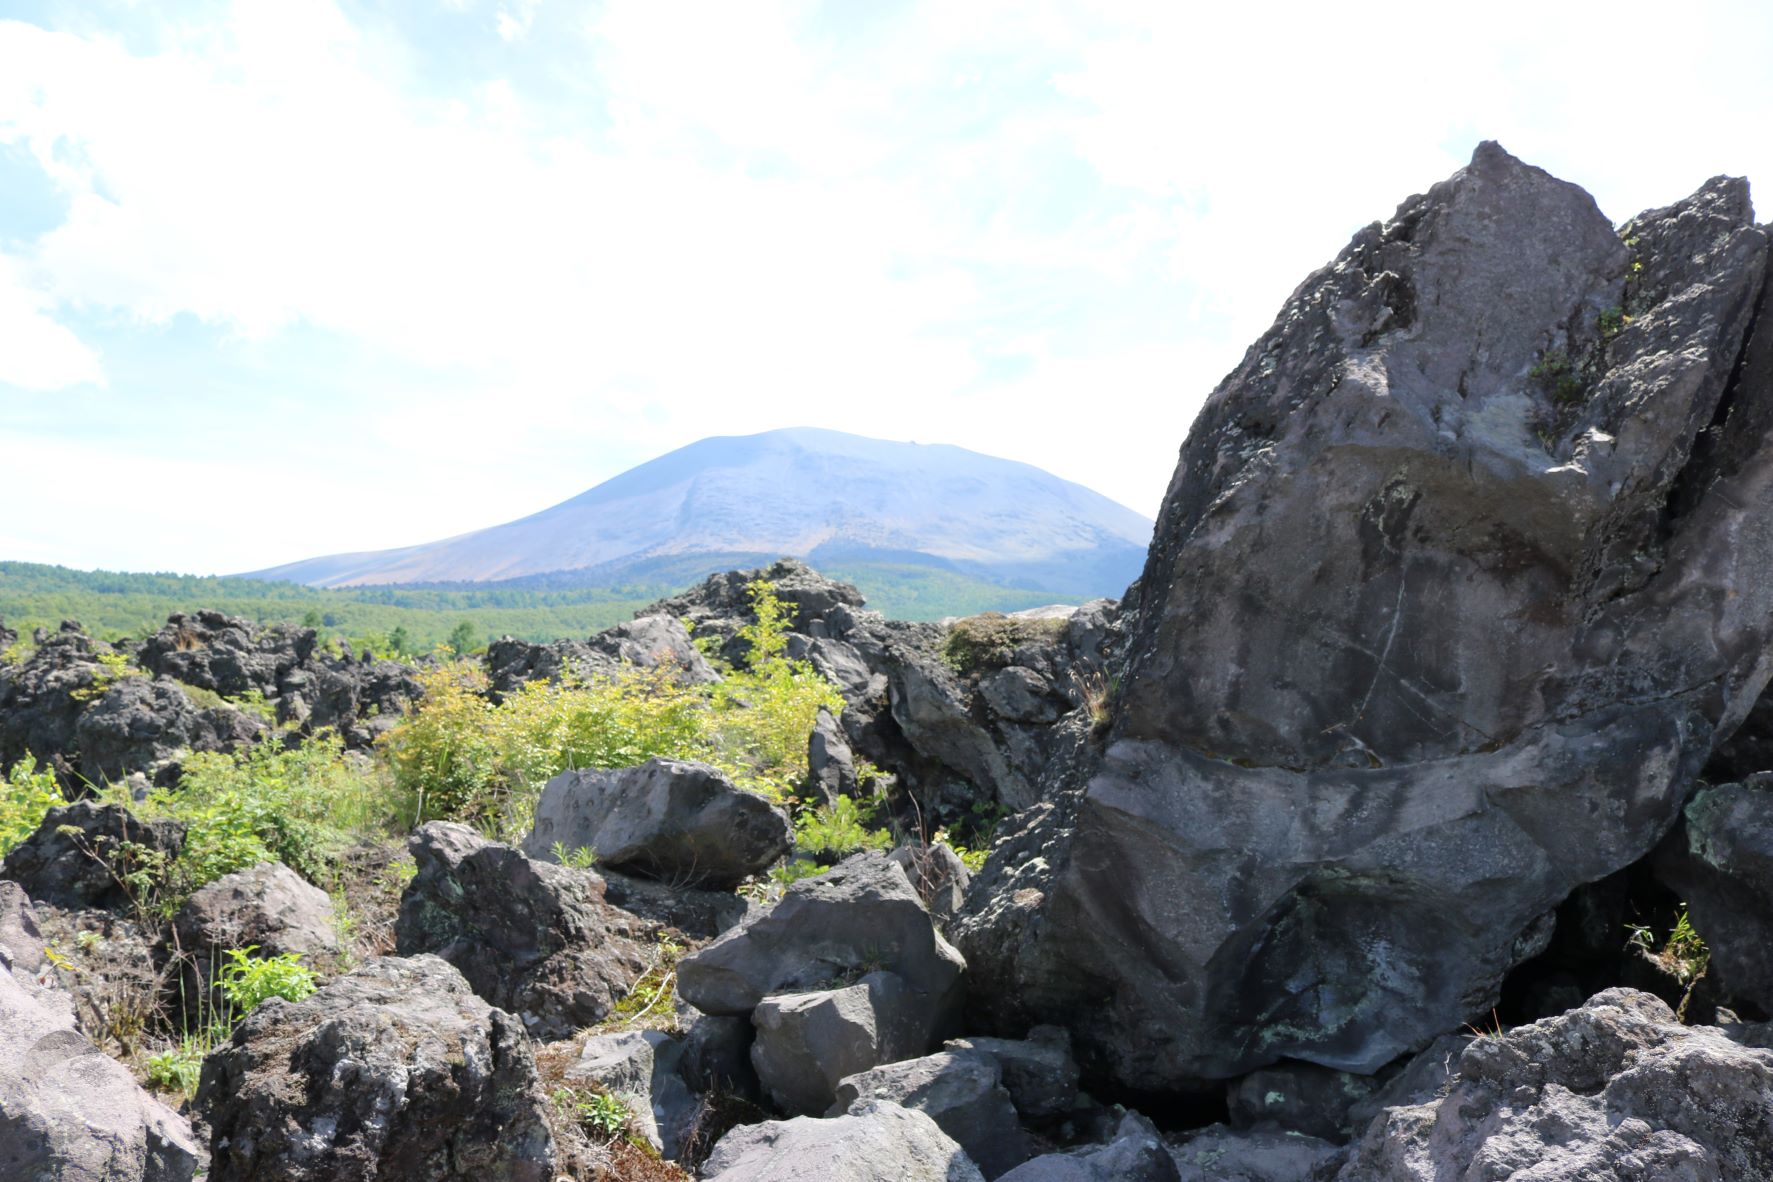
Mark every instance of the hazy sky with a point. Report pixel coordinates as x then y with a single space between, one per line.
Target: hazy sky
286 277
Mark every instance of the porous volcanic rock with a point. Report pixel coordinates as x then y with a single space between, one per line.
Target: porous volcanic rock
1614 1089
69 1112
531 937
268 908
962 1091
859 916
807 1043
682 822
879 1142
1459 580
82 855
394 1072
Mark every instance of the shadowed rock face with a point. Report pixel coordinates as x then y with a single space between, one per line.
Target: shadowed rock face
1457 583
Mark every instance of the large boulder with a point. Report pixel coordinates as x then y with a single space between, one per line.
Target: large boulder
1269 1154
1459 579
530 937
653 640
860 916
89 855
269 908
69 1112
1038 1071
1614 1089
962 1091
394 1072
807 1043
877 1143
682 822
225 655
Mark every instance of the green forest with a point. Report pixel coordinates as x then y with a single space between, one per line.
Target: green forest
409 621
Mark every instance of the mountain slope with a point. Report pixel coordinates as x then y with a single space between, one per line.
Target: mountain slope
838 499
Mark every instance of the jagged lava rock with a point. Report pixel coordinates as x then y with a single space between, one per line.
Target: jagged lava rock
1720 861
643 1067
68 1111
1458 580
531 937
1614 1089
962 1091
671 819
877 1143
862 914
267 907
807 1043
394 1072
1135 1153
82 854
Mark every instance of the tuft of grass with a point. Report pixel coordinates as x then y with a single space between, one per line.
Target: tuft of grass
990 640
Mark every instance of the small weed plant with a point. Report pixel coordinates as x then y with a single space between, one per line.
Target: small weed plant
26 795
247 981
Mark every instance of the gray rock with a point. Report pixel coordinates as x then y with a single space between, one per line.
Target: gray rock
225 655
1038 1071
531 937
268 907
1614 1089
937 874
879 1143
807 1043
962 1091
1301 1098
1020 694
394 1072
1253 1155
682 822
1135 1154
654 640
699 913
717 1056
642 1067
1339 801
69 1112
1721 862
22 952
861 915
1423 1077
147 726
831 766
81 854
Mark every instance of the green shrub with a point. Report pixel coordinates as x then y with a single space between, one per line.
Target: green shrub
459 756
26 794
990 640
832 832
180 1066
300 806
247 981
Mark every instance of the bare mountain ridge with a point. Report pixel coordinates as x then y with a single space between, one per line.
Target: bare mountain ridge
801 492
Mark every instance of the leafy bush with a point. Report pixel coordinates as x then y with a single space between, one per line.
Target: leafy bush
26 794
832 832
460 756
180 1066
246 981
300 806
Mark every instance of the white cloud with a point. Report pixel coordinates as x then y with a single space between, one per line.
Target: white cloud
36 352
1040 229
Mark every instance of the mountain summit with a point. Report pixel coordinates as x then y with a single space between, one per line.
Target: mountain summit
802 492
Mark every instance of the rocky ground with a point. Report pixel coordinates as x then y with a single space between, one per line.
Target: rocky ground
1411 818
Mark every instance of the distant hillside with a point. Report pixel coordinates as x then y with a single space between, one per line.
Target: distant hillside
845 503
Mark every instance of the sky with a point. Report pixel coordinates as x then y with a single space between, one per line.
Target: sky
281 278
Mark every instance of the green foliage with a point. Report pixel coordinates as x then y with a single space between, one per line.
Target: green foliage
180 1066
581 858
247 981
603 1115
461 639
113 667
460 756
990 640
832 832
26 794
1612 322
300 806
115 604
1558 376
